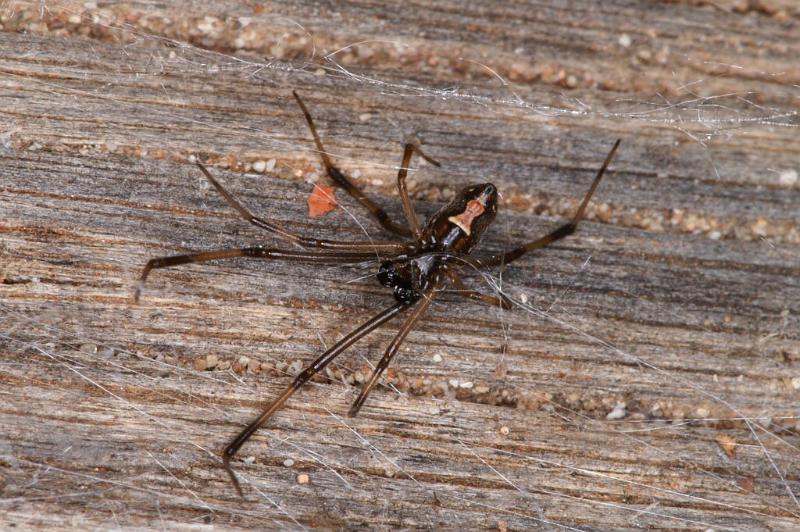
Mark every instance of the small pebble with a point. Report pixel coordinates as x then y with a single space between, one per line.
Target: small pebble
296 368
302 478
788 177
270 165
89 349
249 460
260 166
437 358
288 462
644 55
466 385
453 383
760 226
625 40
504 430
796 383
619 412
108 352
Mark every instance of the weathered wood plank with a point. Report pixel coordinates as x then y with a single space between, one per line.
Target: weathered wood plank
678 298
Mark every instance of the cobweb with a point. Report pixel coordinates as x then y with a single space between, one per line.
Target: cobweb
736 125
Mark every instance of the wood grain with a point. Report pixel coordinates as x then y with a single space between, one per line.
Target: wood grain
648 376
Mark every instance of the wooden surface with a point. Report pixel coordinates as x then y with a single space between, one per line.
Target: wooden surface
647 377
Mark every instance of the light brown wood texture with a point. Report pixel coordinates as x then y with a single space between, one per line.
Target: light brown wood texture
647 377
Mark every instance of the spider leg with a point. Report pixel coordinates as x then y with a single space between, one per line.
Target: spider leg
356 245
419 309
259 252
496 301
340 179
559 233
411 215
315 367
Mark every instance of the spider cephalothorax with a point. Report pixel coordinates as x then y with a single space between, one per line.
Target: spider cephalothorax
456 228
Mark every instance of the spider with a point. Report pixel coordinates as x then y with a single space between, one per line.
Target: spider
415 268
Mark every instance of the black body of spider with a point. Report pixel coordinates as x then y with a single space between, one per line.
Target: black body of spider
416 269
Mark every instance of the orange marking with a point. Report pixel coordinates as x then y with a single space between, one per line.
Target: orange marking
464 220
321 201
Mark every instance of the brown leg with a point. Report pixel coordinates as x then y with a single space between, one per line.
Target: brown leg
419 309
565 230
496 301
317 366
366 245
408 208
259 252
340 179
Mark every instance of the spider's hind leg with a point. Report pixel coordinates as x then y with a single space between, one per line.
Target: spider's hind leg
411 145
560 232
343 181
303 241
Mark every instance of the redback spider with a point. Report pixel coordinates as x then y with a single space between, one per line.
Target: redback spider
415 268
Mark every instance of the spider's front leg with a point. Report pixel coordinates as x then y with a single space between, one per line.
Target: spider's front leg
256 252
318 365
419 310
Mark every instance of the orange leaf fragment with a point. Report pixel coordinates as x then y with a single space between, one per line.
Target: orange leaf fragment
728 444
321 201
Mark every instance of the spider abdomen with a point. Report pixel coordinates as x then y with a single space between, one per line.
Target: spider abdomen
459 225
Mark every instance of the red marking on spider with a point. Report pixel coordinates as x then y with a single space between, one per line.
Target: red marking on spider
464 220
321 201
